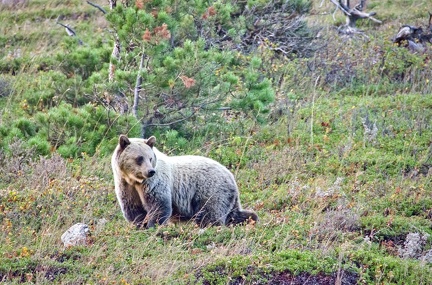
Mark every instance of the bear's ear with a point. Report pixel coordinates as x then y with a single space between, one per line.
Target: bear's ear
151 141
123 141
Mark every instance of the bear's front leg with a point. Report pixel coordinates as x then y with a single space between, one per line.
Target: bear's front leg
160 211
131 205
135 214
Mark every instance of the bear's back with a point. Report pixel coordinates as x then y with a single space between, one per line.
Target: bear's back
197 178
194 166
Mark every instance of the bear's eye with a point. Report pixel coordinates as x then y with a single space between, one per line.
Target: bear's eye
139 160
151 158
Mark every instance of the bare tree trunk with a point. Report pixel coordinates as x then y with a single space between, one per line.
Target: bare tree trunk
113 4
138 87
115 54
116 49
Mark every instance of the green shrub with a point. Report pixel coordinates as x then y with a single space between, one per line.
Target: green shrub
83 61
40 145
72 131
26 127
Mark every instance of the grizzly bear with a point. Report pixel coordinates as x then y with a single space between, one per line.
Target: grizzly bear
152 187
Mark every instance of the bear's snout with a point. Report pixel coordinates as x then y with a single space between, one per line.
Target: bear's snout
151 173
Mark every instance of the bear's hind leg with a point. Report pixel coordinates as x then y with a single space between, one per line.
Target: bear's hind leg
213 211
205 218
238 216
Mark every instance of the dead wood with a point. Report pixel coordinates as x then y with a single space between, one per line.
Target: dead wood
415 38
277 26
353 15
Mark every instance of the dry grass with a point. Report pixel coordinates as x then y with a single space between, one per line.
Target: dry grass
38 35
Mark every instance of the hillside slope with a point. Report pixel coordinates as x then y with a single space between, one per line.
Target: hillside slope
340 175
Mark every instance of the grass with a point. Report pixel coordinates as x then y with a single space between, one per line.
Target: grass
335 203
311 221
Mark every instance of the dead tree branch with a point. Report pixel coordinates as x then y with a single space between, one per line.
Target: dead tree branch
414 38
353 15
97 7
276 26
71 32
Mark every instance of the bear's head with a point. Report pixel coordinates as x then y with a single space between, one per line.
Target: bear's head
136 159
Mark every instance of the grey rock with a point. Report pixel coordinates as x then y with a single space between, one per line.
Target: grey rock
78 234
413 245
427 257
